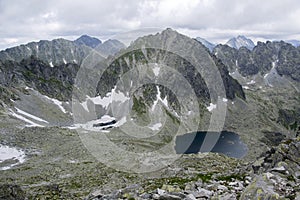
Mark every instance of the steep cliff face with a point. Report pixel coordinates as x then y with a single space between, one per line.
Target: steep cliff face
54 82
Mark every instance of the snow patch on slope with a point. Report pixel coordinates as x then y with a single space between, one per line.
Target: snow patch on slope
8 153
57 102
251 82
107 99
156 70
211 107
31 123
159 99
30 115
155 127
272 73
104 119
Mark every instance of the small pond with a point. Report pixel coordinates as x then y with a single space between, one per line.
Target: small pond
227 143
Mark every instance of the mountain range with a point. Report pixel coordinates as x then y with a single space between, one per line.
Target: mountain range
61 51
56 95
240 41
235 42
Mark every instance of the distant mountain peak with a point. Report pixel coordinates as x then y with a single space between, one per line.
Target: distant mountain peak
110 47
241 41
295 43
206 43
241 37
88 41
169 31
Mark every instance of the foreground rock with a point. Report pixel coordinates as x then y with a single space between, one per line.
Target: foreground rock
277 177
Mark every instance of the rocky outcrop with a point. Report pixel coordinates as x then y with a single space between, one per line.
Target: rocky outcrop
277 173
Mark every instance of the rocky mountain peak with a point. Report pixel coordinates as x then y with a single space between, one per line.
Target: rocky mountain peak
241 41
88 41
173 46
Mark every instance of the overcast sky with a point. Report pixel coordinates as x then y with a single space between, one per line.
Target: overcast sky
215 20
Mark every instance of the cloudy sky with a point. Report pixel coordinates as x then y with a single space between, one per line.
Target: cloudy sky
215 20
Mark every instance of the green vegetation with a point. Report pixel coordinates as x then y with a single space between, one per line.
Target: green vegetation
29 75
139 106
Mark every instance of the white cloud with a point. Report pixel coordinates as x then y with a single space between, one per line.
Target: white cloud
216 20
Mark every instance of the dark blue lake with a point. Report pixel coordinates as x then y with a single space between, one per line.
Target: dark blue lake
228 143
